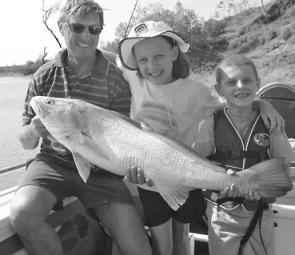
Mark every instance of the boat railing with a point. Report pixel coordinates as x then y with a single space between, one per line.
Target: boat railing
12 168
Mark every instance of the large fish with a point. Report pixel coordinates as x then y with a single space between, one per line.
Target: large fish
115 143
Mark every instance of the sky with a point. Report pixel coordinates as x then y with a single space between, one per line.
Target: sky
24 36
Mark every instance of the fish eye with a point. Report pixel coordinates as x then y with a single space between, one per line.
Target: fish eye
50 101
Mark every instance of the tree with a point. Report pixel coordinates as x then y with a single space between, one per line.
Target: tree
263 8
199 33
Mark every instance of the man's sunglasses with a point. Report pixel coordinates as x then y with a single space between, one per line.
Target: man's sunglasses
79 28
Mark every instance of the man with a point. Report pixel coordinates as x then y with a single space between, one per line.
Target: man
80 71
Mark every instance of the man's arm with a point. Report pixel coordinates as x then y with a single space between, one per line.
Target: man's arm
31 134
29 138
33 129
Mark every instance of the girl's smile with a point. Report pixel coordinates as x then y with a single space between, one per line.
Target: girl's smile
155 57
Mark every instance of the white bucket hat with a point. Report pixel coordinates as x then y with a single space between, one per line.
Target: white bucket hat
144 30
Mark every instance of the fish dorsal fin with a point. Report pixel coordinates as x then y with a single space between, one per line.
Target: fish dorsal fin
83 166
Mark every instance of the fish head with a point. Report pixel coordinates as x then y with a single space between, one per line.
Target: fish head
61 116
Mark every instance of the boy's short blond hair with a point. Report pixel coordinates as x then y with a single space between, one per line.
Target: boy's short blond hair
234 60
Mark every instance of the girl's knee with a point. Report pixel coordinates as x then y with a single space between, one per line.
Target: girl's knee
181 238
163 249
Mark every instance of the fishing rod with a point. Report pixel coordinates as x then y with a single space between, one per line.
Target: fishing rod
127 28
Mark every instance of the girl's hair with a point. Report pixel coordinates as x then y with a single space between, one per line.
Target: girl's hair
181 66
234 60
79 8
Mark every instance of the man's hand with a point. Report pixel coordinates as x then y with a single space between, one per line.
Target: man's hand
31 134
39 127
136 176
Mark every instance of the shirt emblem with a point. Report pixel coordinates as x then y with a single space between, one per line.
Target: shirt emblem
262 139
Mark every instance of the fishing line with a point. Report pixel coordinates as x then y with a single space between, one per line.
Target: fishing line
128 25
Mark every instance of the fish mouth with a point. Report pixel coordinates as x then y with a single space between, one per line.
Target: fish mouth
40 111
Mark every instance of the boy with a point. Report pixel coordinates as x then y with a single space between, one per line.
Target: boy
237 138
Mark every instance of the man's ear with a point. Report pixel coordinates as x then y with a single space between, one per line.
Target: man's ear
61 27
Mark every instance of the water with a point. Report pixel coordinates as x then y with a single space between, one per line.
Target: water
12 95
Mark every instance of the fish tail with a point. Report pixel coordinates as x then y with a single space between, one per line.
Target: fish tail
269 178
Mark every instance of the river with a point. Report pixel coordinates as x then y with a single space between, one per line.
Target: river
12 95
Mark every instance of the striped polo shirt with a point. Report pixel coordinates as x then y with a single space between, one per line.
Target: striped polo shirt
104 87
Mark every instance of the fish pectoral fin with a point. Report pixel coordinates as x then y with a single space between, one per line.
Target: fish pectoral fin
83 166
175 197
89 145
82 138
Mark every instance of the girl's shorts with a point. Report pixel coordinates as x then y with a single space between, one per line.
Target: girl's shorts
157 211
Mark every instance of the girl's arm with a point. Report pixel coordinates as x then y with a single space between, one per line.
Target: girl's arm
271 118
281 148
136 175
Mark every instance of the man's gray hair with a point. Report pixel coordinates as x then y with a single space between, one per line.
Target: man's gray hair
79 8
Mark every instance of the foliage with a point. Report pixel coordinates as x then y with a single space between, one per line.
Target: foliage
231 7
29 68
286 33
200 34
214 27
112 46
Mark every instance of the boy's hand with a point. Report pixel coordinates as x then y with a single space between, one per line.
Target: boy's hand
136 175
233 190
252 195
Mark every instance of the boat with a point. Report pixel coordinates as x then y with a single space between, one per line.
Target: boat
282 97
80 234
